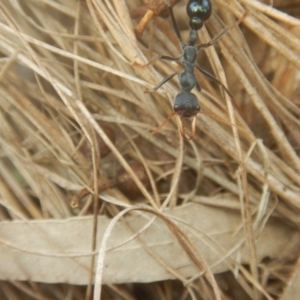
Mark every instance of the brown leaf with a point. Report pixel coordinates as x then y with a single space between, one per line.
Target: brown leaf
45 251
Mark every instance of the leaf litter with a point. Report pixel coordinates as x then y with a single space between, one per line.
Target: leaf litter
229 198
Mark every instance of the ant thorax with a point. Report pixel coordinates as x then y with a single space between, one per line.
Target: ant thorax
187 80
189 54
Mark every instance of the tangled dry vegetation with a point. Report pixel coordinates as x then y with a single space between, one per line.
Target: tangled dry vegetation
84 183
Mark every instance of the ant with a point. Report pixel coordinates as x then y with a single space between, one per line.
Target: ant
186 103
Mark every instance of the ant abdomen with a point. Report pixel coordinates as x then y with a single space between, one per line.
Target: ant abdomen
198 11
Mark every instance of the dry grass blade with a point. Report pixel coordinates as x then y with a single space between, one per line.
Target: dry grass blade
77 108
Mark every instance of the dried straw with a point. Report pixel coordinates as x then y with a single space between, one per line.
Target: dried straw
70 68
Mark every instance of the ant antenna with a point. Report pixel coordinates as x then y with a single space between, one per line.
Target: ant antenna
186 103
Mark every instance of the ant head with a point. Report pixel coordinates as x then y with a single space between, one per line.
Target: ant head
186 105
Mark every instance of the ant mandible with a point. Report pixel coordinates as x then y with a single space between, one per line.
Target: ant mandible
186 103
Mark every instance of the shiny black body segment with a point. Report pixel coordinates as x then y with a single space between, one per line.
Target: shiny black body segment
185 103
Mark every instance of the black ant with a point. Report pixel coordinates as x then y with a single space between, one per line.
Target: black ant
186 103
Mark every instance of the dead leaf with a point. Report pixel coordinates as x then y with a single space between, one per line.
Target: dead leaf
58 250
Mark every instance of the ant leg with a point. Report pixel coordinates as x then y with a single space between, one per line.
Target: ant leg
162 57
164 123
212 77
221 33
169 58
174 24
166 79
211 42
